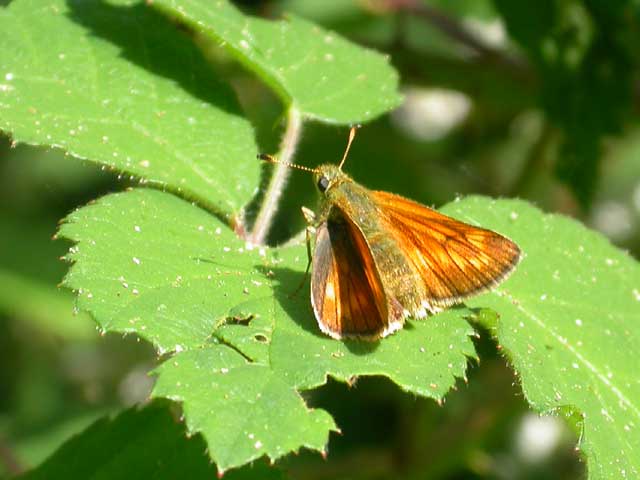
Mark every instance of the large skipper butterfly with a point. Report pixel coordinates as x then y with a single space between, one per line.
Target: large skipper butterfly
380 258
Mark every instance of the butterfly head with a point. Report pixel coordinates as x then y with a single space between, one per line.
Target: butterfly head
327 176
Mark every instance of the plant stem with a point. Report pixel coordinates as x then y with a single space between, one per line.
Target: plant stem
279 178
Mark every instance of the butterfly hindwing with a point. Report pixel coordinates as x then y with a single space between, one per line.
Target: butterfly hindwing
347 293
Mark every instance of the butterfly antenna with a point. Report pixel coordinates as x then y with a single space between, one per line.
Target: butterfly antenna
352 134
268 158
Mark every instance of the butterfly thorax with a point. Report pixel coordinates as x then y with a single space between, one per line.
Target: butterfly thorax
341 196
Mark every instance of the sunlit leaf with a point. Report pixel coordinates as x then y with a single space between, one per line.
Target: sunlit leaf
323 75
116 83
146 262
569 325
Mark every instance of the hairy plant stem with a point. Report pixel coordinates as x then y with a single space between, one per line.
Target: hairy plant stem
278 179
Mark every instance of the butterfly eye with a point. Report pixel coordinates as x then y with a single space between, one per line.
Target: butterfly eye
323 184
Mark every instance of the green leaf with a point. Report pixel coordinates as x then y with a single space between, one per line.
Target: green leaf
138 443
424 358
118 84
325 76
245 410
566 318
146 262
568 323
150 263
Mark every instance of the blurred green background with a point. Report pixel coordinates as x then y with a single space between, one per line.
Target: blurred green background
534 99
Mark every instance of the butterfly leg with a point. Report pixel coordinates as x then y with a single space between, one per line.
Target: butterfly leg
310 217
309 231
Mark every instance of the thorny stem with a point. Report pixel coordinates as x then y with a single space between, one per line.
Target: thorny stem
278 179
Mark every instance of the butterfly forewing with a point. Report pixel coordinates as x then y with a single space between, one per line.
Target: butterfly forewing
455 260
346 290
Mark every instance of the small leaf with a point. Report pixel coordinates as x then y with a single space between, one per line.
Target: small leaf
327 77
244 410
118 84
569 324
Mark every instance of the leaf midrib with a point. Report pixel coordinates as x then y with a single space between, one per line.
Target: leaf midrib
595 373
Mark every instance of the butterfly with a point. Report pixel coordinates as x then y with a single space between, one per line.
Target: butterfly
380 258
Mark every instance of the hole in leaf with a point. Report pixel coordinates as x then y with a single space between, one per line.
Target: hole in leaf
240 319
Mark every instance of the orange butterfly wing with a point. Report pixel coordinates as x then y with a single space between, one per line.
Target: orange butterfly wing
347 294
454 259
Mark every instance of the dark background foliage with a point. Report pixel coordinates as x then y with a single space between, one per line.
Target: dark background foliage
531 99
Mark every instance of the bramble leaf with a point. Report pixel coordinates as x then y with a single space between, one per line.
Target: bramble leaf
244 410
561 347
325 76
150 263
568 324
146 262
116 83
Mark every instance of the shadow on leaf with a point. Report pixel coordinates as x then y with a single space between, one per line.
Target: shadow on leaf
293 300
296 303
150 40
